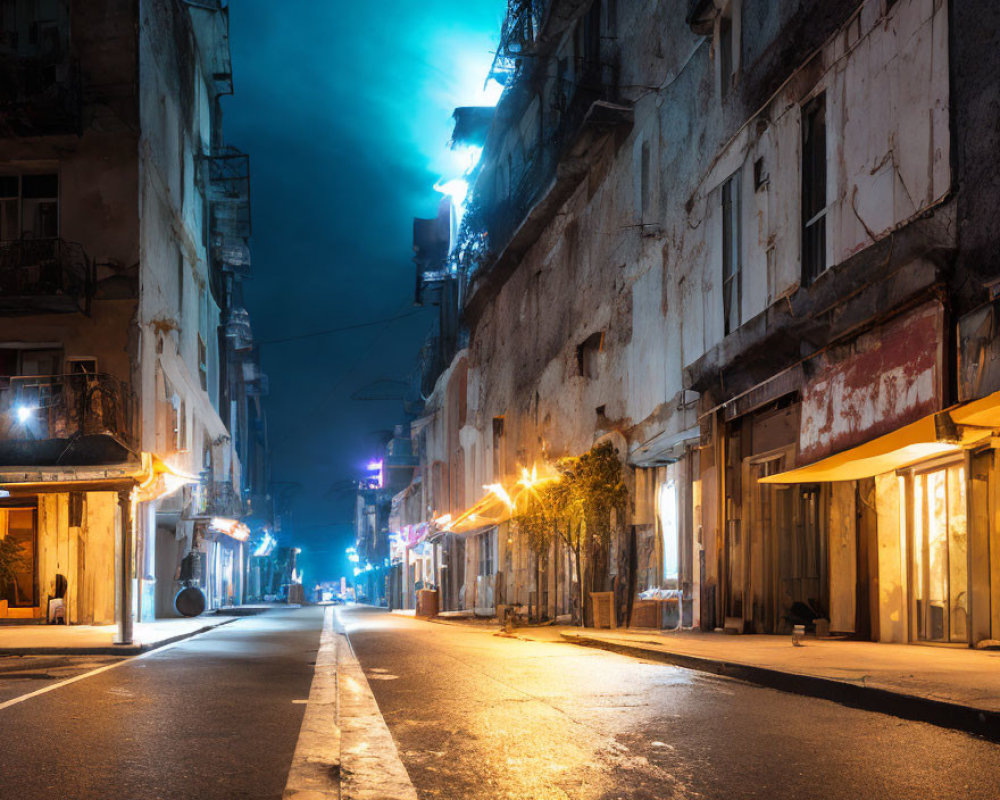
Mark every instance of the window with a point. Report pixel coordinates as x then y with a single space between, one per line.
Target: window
29 207
644 181
203 363
486 554
725 55
176 422
813 189
40 361
587 353
760 177
81 366
728 48
180 282
498 455
732 265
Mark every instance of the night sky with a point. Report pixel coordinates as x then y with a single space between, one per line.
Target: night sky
345 110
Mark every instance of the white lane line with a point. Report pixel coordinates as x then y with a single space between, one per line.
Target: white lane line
371 766
93 672
315 770
344 750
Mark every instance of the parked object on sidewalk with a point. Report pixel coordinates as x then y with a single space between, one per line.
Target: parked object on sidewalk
604 609
427 602
734 625
56 611
190 601
798 634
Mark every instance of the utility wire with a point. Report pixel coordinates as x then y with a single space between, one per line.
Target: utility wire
314 334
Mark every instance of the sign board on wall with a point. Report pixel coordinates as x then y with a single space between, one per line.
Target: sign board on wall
979 353
886 378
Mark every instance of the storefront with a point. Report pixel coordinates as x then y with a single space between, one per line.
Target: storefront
918 557
19 527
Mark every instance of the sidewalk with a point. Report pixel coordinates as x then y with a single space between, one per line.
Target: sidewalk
99 639
952 687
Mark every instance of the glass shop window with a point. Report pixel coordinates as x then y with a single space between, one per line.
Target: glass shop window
670 532
19 526
940 555
29 207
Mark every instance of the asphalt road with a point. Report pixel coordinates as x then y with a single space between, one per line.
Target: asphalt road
209 718
479 716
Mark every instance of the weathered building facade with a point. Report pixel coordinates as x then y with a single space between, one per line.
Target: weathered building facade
747 243
127 398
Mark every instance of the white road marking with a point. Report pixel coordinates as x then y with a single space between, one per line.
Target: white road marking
91 673
345 750
371 766
315 770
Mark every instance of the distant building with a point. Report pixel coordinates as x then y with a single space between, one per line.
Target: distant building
386 475
130 427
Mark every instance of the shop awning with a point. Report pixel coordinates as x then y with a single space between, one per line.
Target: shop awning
491 510
495 507
939 434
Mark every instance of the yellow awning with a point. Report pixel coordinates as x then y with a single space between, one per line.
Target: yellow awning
490 510
902 447
496 506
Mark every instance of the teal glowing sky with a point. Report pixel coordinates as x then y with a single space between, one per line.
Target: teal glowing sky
345 110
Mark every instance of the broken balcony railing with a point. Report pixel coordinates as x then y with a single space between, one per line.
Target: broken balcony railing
215 498
44 275
592 109
41 407
226 177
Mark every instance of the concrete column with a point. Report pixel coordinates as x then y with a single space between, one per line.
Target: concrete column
124 614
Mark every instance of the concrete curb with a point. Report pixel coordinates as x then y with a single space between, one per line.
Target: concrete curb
978 721
113 649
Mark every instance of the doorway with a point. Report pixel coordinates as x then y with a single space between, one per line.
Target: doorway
940 554
786 549
19 525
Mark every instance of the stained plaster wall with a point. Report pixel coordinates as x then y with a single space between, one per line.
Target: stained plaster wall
176 113
84 554
649 277
97 170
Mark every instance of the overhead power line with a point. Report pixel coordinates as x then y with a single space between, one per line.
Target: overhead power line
328 331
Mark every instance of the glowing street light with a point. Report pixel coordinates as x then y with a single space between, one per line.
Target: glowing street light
24 413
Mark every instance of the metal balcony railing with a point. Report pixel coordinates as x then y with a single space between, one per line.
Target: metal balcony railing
44 275
215 498
589 109
226 178
67 406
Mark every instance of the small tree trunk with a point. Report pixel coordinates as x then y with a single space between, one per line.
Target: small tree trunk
581 614
538 587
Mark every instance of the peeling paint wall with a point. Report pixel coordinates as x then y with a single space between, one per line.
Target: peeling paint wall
879 382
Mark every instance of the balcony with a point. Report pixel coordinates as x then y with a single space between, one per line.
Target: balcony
39 95
43 276
499 233
226 178
214 498
66 420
